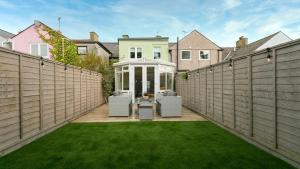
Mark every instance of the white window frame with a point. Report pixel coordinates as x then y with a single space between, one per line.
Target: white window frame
135 52
166 81
204 51
123 71
86 51
39 49
159 52
185 51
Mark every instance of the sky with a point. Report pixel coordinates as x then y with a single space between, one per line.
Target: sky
222 21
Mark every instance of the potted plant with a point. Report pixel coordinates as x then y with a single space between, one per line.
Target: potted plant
146 96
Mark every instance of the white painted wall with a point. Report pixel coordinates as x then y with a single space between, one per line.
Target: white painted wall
279 38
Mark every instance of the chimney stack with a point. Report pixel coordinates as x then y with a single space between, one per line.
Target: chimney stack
242 42
94 36
125 36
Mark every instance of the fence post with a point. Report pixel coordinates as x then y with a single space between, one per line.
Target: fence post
213 92
80 91
21 95
222 93
86 95
250 98
199 88
66 92
95 90
73 91
233 94
55 119
41 94
275 97
206 91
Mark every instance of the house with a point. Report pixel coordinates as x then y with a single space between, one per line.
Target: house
144 66
4 39
29 41
243 48
113 47
92 45
194 51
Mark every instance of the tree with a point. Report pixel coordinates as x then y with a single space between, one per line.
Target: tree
99 64
63 50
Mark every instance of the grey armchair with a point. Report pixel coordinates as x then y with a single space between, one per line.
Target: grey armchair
120 105
168 106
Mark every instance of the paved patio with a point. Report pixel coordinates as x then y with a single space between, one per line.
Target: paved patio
100 114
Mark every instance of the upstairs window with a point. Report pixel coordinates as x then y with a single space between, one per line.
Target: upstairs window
39 49
135 53
139 52
43 50
34 49
185 54
81 50
7 45
156 51
132 53
204 55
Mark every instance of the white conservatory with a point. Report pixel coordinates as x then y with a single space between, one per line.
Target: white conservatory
142 76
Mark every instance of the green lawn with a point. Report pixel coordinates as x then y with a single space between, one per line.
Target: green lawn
140 145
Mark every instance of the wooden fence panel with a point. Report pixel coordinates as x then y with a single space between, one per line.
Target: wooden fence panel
48 95
9 99
288 100
69 94
202 91
253 97
83 91
197 92
241 96
192 91
262 86
227 95
210 93
60 93
36 98
77 83
217 96
31 97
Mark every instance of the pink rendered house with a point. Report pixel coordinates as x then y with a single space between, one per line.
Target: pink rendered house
29 41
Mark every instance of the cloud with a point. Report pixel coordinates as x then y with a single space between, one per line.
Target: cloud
6 4
234 26
229 4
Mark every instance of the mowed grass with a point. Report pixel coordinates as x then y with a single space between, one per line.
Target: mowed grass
140 145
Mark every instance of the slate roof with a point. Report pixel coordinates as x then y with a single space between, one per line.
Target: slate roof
226 51
113 47
251 47
6 34
88 41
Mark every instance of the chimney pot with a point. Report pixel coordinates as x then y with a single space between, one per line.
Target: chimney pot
94 36
242 42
